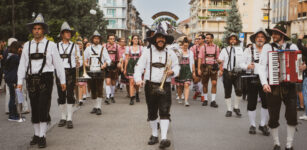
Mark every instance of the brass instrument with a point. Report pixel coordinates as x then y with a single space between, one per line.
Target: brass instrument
167 68
85 76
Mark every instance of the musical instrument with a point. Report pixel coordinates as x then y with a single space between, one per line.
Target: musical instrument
85 76
284 67
167 68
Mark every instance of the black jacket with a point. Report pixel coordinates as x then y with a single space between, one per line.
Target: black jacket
304 52
10 68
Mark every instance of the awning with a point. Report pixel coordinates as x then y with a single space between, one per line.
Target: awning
216 10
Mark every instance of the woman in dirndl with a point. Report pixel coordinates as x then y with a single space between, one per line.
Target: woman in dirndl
186 73
82 85
133 53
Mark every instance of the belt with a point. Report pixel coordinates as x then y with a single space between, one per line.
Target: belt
155 83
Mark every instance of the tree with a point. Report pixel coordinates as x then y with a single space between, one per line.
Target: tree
55 12
234 23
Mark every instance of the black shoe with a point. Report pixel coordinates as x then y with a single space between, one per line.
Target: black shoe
107 101
132 101
205 103
289 148
276 147
214 105
98 112
252 130
80 103
165 143
237 111
69 125
34 140
137 98
153 140
173 88
228 114
62 123
42 142
112 100
94 111
265 130
158 126
84 99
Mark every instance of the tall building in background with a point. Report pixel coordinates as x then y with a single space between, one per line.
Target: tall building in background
299 20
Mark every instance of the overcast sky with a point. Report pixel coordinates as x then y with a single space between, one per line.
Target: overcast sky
148 8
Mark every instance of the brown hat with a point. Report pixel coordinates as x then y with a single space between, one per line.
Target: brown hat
280 28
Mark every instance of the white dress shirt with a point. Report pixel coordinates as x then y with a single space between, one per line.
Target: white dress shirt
97 48
53 60
263 68
225 55
247 59
65 49
157 57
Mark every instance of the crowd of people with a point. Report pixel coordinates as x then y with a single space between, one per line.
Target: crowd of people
160 63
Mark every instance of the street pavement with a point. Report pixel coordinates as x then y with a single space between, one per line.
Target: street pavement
124 127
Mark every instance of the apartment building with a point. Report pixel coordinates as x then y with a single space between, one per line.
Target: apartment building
299 20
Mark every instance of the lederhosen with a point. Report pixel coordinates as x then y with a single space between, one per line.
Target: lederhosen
112 71
209 70
254 88
96 82
231 78
196 60
40 87
157 102
70 74
285 92
133 59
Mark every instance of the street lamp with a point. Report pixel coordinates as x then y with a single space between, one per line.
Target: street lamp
218 19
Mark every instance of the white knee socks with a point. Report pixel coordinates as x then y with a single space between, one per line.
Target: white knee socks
43 129
275 136
164 123
154 127
206 96
108 91
290 135
213 97
70 111
237 102
228 104
63 111
252 117
264 116
36 129
112 91
98 103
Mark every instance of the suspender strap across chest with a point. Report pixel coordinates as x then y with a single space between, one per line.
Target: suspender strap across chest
229 58
67 55
151 62
101 53
208 55
116 53
44 59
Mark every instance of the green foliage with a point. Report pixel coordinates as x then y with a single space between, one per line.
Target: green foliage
55 12
234 22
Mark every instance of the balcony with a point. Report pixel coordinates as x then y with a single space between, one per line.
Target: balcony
115 16
116 27
302 1
212 18
216 7
114 5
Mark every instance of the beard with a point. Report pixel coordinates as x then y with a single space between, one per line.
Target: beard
158 47
259 44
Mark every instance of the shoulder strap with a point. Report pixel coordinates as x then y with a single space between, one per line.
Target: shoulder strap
288 46
30 60
58 47
93 50
150 63
45 57
69 59
101 53
252 52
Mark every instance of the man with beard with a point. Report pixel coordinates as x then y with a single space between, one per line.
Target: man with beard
155 60
67 50
276 94
230 59
111 71
251 65
39 59
97 59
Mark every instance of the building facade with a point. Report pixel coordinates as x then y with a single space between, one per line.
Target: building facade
184 27
299 21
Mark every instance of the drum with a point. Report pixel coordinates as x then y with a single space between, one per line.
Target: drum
96 74
83 79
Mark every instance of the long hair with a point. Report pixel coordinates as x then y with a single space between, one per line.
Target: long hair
132 39
14 47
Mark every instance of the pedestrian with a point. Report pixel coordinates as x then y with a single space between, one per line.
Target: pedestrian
82 85
38 61
208 69
153 62
250 64
97 59
133 53
304 89
186 73
230 60
276 94
68 51
124 81
198 45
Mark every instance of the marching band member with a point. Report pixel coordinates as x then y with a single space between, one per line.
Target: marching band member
39 59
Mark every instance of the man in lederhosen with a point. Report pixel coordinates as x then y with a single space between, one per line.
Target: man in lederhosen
276 94
250 63
111 71
97 59
197 86
154 61
208 69
39 59
67 51
230 59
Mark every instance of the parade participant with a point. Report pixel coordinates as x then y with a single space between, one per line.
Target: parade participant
198 44
123 79
155 60
39 59
230 59
304 90
67 50
208 69
250 63
186 73
97 59
133 53
276 94
111 71
82 85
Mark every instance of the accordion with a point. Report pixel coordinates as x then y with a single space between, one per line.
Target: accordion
284 67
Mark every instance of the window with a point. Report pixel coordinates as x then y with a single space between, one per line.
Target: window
112 23
111 12
111 2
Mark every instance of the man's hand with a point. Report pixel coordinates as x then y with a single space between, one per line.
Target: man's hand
302 67
170 73
19 86
251 66
104 66
301 36
267 88
221 73
140 83
63 87
199 72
